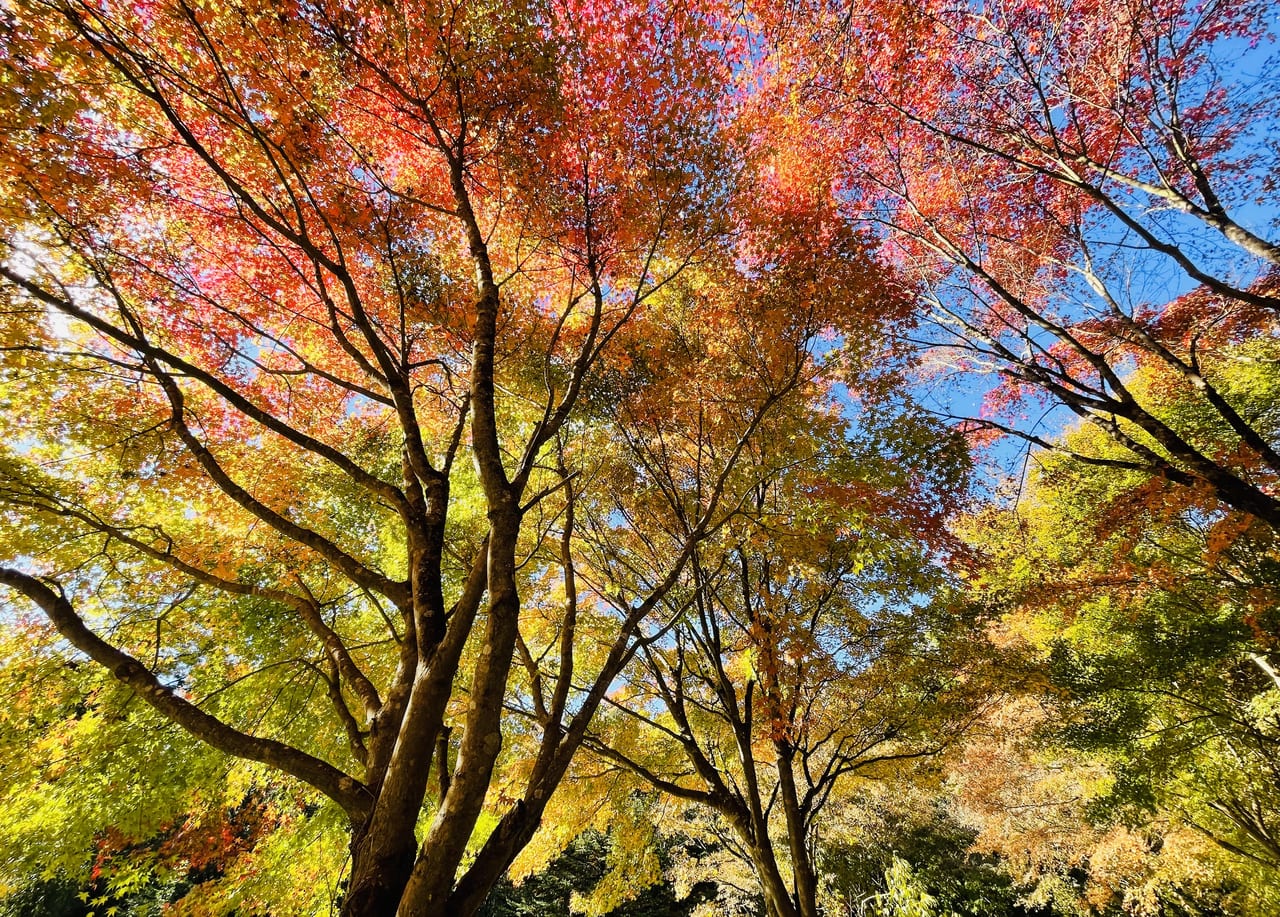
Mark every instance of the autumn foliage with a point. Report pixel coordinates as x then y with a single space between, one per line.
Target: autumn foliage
431 432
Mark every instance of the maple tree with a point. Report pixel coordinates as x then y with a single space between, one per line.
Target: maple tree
331 334
1053 174
796 658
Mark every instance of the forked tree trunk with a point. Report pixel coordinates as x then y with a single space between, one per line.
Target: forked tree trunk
777 897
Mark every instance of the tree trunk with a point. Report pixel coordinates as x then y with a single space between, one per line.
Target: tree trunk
755 838
806 881
431 882
379 873
777 897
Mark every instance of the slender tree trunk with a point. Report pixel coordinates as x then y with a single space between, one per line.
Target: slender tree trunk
755 838
806 881
777 897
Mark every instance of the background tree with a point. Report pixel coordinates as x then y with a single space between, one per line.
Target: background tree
795 656
1054 175
1149 626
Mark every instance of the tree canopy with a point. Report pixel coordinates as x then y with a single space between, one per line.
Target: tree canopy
450 445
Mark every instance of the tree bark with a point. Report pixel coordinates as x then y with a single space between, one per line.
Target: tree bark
806 881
